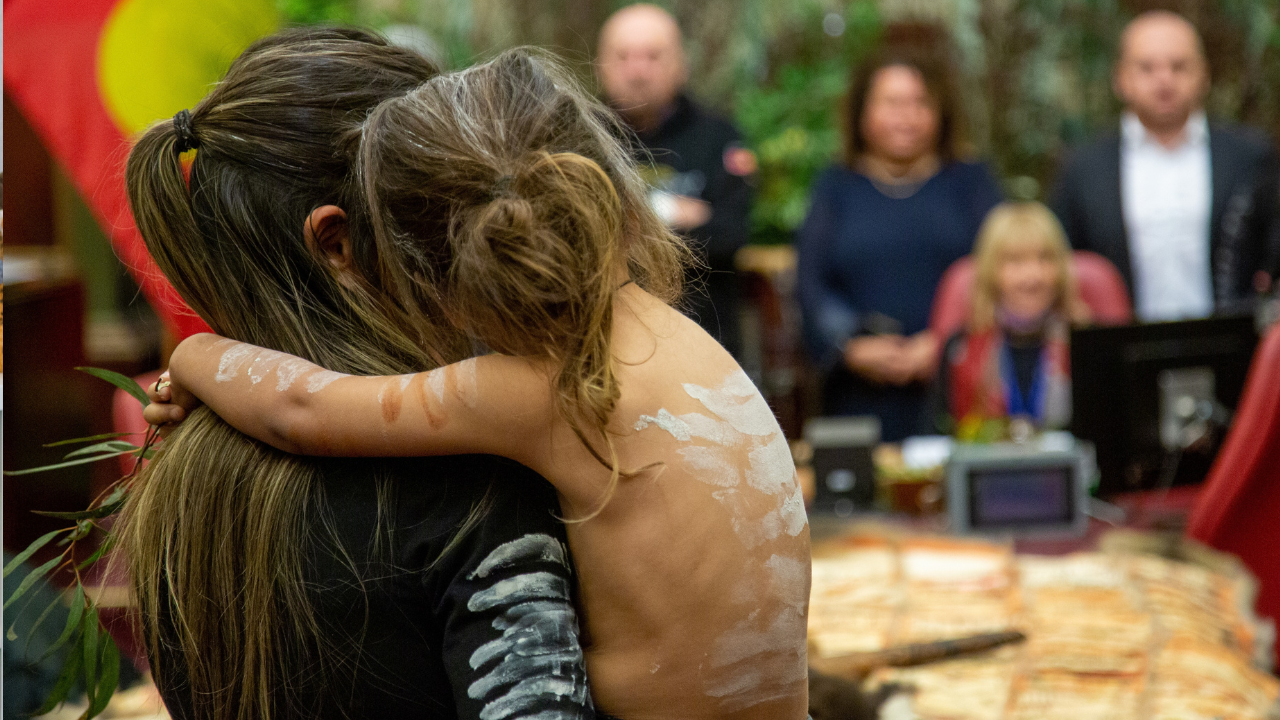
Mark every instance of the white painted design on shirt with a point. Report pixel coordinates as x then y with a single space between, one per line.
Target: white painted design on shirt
538 659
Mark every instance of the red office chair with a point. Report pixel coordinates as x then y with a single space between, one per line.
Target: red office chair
1100 284
1238 510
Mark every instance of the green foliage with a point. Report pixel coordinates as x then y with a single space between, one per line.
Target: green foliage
312 12
94 659
1035 75
791 115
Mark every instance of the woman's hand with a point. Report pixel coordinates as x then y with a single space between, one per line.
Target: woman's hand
922 356
893 359
170 404
879 358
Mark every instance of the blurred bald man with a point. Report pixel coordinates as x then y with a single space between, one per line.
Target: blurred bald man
700 170
1184 208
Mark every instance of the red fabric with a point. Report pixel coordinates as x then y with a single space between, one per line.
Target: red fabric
973 389
1100 284
1238 510
50 71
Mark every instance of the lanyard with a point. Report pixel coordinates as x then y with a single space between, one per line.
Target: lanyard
1019 405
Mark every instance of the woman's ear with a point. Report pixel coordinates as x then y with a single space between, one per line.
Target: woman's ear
325 232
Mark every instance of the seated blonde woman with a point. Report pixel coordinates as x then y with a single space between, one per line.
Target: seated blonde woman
1010 367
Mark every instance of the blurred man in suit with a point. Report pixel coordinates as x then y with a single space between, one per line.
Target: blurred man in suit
1186 210
699 170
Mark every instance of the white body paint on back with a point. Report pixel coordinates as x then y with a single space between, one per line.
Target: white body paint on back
760 659
740 416
538 657
763 656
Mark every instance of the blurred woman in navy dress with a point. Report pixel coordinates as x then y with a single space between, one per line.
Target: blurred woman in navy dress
882 228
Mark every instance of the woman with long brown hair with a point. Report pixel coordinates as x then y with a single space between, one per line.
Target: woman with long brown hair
884 225
275 586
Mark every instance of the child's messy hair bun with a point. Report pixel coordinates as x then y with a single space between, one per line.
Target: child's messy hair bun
502 195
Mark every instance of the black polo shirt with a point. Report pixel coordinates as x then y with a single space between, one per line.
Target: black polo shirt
697 153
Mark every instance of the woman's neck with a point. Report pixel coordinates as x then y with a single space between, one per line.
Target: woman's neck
1021 329
893 171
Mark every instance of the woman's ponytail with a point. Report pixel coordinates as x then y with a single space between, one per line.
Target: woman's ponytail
161 203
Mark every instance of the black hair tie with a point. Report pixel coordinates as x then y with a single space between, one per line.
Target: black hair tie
186 134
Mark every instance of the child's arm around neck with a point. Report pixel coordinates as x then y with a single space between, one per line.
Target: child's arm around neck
495 404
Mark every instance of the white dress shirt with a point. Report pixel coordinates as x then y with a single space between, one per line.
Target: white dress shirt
1166 195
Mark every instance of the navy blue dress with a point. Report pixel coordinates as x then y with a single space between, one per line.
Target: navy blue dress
870 263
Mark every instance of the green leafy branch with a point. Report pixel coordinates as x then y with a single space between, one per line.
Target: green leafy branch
93 657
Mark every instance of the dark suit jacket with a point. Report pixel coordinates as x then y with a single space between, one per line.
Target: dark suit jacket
1244 226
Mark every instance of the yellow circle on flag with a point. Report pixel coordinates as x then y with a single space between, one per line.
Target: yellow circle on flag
157 57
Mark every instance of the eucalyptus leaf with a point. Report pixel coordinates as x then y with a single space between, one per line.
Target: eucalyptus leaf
89 631
127 384
103 549
109 446
81 515
109 663
69 463
73 623
31 550
70 671
30 580
91 438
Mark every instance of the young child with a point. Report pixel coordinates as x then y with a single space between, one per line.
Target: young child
503 203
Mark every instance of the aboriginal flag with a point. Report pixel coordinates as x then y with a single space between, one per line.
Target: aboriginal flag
89 75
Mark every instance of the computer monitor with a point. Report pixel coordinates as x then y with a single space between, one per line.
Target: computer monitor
1128 381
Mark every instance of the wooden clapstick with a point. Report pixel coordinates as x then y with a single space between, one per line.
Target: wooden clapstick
856 665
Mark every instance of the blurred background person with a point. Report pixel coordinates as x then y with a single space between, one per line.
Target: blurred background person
883 227
1012 359
1184 209
700 168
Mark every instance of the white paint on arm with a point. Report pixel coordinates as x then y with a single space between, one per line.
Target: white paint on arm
290 370
321 379
232 360
465 384
435 381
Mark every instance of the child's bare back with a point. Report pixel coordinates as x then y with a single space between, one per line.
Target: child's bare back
695 576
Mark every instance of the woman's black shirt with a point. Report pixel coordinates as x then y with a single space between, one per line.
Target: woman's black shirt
433 624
